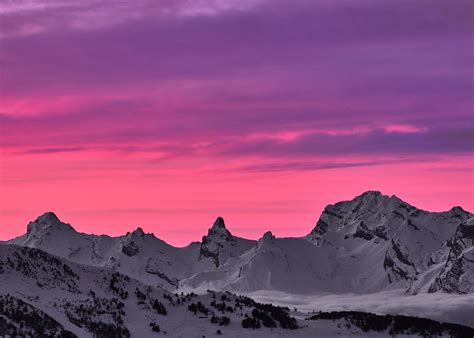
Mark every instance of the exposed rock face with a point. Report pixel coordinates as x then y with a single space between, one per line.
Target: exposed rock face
215 240
266 238
457 275
363 232
398 265
329 216
154 268
219 231
129 245
381 232
130 249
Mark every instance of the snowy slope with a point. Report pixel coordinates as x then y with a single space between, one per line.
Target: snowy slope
68 299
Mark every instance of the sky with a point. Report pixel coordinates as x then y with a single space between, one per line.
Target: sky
166 114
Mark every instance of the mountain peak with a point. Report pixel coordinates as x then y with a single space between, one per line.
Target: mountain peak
371 195
48 217
139 232
216 236
458 210
219 230
267 237
46 221
219 223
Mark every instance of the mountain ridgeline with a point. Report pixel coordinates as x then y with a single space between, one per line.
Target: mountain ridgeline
369 244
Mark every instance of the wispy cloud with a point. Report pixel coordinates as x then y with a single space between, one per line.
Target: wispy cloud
403 128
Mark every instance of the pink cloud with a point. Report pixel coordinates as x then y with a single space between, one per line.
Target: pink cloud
403 128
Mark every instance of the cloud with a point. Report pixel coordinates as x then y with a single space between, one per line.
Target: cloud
52 150
447 140
304 166
287 81
437 306
402 128
341 41
278 145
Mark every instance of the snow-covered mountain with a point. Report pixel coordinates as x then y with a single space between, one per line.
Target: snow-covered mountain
42 295
137 254
408 238
369 244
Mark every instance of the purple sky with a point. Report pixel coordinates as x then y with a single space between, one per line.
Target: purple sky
269 90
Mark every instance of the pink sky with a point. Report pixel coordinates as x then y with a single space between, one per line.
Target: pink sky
168 114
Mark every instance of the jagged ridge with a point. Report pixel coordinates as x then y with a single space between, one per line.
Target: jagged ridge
371 243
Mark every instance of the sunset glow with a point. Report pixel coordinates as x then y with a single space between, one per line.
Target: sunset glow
167 114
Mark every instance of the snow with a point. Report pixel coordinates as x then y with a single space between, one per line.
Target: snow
29 275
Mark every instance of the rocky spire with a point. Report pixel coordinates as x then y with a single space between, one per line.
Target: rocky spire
215 239
219 223
219 231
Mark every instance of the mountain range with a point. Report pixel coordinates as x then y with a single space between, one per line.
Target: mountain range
371 243
81 284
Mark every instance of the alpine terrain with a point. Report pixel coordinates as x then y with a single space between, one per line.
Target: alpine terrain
402 262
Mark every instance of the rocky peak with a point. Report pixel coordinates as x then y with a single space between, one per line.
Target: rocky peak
364 203
219 223
131 242
466 229
371 195
266 239
371 199
366 214
46 222
458 212
215 239
218 231
48 218
138 232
